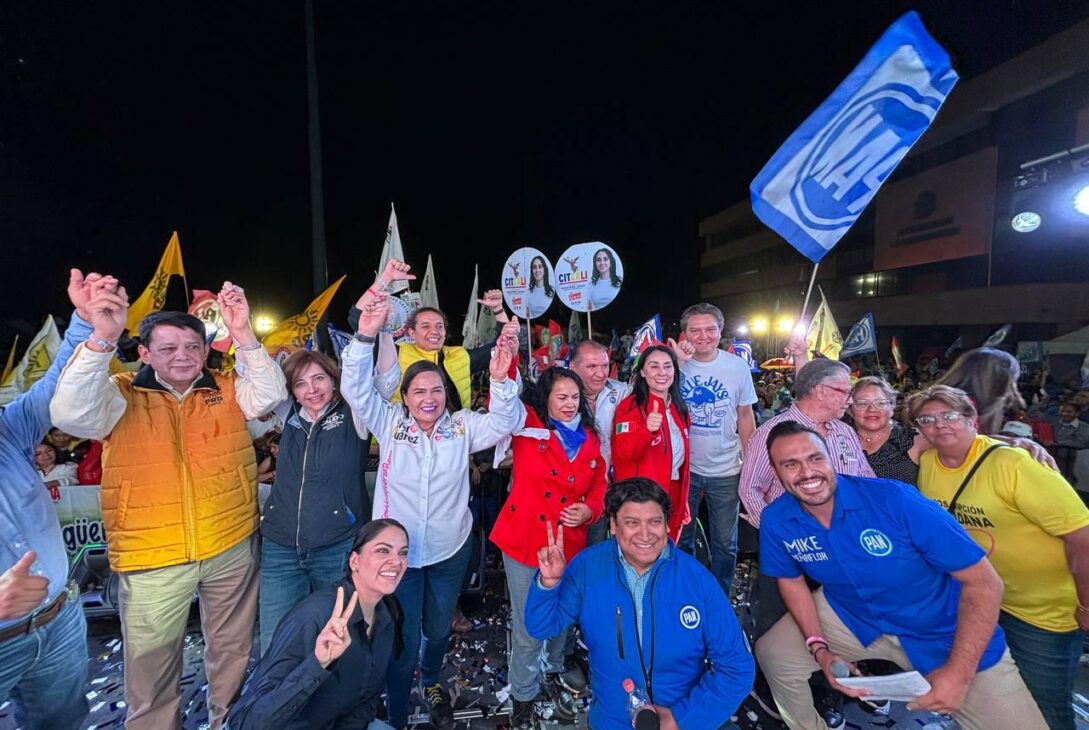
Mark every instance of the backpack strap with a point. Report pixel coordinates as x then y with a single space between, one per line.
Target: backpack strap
971 473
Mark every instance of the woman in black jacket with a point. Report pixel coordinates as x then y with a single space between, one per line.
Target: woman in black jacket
326 665
319 497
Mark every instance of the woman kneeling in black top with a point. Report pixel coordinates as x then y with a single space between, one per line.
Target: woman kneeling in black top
326 665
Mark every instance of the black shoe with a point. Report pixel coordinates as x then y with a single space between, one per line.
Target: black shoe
522 716
572 677
441 711
566 709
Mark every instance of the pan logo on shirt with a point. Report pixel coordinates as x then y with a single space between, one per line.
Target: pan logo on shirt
690 617
875 542
708 400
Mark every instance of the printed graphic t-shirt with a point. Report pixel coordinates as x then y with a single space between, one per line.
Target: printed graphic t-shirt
1017 510
713 391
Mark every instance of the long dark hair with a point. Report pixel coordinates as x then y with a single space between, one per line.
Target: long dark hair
614 277
367 533
453 399
533 282
642 390
536 397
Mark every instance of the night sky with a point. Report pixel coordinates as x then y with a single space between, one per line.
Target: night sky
491 125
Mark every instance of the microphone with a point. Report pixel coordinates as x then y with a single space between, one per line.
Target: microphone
647 719
840 669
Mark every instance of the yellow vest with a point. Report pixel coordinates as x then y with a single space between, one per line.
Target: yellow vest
178 478
455 361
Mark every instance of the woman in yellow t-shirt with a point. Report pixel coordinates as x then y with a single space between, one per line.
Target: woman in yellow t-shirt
1035 530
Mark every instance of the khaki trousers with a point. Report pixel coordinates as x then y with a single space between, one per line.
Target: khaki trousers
154 612
997 699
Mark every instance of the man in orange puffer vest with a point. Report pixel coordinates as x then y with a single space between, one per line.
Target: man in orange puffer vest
178 494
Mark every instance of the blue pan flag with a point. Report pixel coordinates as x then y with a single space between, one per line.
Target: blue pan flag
817 184
861 339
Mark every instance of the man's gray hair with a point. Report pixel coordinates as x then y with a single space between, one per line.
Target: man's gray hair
702 308
816 372
583 346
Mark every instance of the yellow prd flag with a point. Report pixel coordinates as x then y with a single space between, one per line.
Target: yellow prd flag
290 335
11 362
823 334
35 361
154 297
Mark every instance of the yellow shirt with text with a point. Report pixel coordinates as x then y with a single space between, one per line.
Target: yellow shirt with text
1017 510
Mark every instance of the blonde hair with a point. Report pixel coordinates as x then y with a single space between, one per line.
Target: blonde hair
955 398
872 381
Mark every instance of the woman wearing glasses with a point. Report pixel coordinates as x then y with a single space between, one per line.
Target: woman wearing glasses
892 449
1035 530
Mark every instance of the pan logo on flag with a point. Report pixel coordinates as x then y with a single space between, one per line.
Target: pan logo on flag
817 184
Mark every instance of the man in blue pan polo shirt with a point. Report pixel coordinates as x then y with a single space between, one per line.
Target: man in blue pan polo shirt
901 581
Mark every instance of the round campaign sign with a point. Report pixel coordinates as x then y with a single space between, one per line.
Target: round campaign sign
528 283
399 311
588 276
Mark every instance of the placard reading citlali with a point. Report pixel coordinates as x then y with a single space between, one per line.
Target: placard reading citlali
589 276
527 283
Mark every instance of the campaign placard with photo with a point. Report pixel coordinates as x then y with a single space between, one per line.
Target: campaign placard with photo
528 287
588 276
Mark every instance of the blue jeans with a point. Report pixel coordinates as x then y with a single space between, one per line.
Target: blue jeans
428 596
1048 662
289 575
43 673
722 508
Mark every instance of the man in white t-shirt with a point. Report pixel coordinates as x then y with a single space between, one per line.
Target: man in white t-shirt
718 389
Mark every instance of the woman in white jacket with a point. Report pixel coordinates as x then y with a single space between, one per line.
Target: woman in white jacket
423 482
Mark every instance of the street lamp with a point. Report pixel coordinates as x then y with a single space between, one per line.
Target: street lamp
759 325
786 324
743 330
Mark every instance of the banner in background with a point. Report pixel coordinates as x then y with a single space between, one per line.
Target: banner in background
80 516
861 339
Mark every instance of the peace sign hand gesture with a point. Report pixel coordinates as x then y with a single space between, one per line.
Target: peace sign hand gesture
550 558
334 639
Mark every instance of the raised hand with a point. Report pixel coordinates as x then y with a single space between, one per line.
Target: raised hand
511 330
683 350
81 289
234 309
395 271
107 310
654 418
501 359
493 300
373 314
550 558
334 639
21 592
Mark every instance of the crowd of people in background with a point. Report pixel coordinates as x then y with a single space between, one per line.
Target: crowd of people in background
323 508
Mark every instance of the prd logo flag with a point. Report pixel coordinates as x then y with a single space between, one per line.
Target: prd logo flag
817 184
861 339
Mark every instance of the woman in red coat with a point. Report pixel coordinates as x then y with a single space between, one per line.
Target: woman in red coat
558 479
645 441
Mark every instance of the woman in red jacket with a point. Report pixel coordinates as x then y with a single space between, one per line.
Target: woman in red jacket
650 431
558 479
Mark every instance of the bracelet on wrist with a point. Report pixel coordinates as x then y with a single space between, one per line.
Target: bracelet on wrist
365 339
819 648
1081 608
106 345
815 639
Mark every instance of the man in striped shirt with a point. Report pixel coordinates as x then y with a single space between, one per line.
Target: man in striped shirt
822 392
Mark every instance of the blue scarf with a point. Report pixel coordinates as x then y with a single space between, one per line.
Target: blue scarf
572 436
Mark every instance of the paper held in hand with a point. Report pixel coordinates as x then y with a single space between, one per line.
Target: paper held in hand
903 687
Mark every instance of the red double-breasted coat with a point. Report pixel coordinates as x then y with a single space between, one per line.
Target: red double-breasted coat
638 452
544 482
